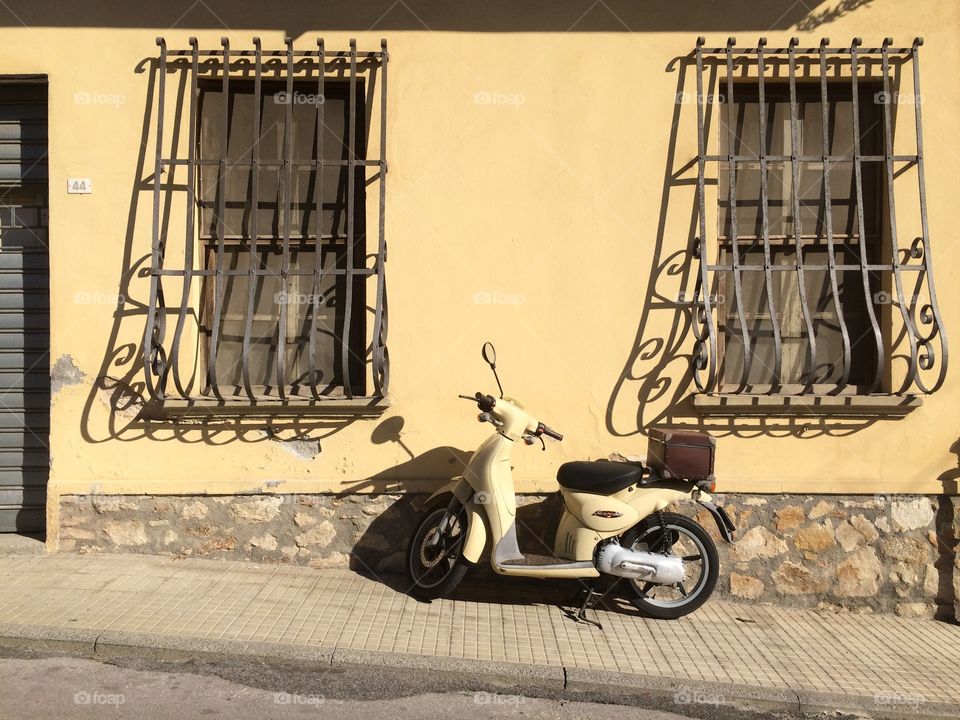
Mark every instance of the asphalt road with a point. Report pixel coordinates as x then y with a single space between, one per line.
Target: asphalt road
42 688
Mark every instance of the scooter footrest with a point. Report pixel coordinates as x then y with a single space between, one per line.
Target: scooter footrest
535 560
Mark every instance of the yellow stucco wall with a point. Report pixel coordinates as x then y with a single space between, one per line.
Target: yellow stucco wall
553 204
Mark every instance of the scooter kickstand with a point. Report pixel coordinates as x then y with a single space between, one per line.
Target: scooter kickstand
591 598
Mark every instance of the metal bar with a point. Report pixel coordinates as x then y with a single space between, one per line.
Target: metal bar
351 179
292 273
254 259
151 326
775 371
705 358
305 166
892 210
221 209
189 230
820 268
286 188
797 219
367 55
812 158
929 314
802 51
318 203
381 370
858 182
735 255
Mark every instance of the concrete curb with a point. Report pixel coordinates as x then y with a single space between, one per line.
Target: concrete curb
453 674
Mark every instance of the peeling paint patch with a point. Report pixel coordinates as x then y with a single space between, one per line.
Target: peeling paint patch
64 373
302 448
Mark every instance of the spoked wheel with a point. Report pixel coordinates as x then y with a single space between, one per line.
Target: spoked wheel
677 535
435 561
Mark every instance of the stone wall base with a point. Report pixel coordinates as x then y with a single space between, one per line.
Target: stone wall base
863 553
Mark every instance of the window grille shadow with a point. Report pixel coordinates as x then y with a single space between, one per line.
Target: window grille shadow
117 407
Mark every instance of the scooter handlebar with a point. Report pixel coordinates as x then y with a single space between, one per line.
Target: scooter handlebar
486 403
549 432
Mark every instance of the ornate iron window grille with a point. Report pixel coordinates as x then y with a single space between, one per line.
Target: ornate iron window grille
162 358
922 332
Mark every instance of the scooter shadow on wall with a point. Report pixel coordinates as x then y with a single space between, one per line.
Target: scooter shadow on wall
656 386
118 406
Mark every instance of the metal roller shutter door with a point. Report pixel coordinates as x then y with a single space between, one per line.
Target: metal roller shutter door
24 307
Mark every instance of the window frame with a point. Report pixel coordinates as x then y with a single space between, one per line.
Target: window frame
778 91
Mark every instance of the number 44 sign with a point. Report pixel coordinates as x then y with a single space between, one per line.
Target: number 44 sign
79 186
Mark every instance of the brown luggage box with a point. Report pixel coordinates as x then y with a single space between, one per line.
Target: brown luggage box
681 455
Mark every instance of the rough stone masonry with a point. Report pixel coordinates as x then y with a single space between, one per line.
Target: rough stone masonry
861 553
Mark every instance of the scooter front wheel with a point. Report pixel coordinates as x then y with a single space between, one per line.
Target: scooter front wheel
677 535
435 563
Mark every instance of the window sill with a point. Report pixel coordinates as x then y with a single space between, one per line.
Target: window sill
273 407
892 406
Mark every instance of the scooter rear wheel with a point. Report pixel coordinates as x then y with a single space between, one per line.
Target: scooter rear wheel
683 537
435 563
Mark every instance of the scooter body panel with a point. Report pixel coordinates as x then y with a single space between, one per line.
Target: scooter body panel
581 528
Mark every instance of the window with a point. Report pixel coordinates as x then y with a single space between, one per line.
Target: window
789 235
278 157
808 287
317 232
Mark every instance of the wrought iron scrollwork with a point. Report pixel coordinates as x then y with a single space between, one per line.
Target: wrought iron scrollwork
909 271
162 358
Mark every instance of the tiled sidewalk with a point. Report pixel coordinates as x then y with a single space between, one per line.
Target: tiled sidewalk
890 658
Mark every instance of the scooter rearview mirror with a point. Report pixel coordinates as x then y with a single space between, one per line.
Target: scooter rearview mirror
489 353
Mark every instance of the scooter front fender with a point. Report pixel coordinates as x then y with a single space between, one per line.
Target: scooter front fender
476 539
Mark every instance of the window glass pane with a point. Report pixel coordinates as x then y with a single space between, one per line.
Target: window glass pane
823 311
237 181
270 293
795 345
779 174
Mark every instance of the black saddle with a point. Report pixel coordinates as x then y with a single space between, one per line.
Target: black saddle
600 477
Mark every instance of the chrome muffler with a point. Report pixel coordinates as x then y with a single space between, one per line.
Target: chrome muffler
614 559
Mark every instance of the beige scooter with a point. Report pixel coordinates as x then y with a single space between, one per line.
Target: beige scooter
613 523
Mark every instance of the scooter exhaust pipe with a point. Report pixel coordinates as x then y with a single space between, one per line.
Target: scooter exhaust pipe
614 559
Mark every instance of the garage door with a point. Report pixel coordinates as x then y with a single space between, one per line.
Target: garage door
24 306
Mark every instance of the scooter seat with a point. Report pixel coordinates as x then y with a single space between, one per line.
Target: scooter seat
599 477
